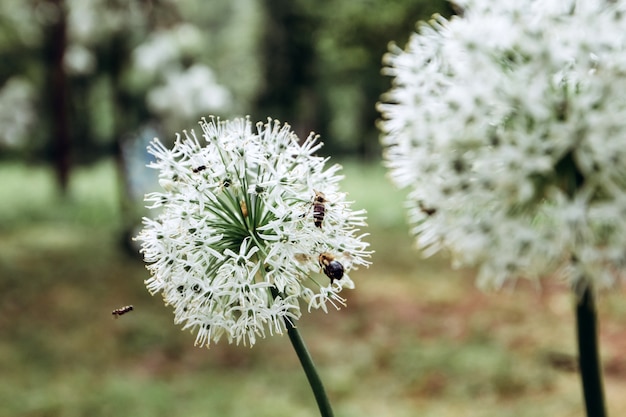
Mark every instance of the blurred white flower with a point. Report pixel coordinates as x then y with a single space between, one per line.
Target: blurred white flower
92 21
17 111
235 248
508 126
14 14
79 60
188 94
165 48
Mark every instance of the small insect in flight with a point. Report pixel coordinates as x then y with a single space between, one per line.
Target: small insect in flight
121 311
198 169
332 268
319 208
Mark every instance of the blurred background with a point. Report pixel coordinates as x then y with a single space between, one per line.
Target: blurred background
86 84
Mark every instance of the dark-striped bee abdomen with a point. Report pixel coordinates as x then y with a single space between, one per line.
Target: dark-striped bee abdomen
121 311
319 208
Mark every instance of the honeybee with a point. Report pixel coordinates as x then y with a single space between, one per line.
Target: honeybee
332 268
121 311
319 208
198 169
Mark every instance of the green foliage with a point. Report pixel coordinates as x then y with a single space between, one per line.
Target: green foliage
442 367
315 65
33 198
369 188
323 60
350 43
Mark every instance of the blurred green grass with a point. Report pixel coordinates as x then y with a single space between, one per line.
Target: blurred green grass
416 338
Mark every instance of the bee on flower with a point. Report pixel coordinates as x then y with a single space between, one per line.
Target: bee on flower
229 249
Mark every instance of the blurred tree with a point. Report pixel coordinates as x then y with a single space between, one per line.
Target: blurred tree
108 75
109 69
56 90
287 58
315 65
20 66
322 64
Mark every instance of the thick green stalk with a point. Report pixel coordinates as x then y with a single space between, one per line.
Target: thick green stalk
309 370
589 357
309 367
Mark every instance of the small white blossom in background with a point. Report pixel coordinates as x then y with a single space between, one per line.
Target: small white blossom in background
164 50
235 249
17 112
91 21
508 126
187 93
79 60
177 92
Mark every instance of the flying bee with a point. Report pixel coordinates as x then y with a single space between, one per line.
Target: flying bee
121 311
319 208
198 169
332 268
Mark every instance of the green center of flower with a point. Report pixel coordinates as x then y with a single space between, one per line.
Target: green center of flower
238 215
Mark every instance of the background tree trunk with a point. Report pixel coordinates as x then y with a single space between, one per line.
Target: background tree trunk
57 94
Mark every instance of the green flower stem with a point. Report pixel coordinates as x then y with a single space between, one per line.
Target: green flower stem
309 368
589 357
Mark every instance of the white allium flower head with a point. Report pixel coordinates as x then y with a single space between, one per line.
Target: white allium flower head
508 126
235 248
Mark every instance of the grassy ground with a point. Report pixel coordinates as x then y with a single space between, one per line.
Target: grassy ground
417 339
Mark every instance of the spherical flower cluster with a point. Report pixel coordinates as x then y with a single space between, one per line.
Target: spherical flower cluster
243 236
508 126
